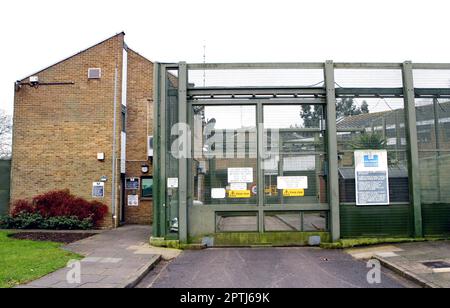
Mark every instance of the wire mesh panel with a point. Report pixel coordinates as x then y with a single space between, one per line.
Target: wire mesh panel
256 78
372 124
368 78
225 155
5 171
433 126
432 78
433 117
294 144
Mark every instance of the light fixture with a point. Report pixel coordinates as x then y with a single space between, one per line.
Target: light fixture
101 156
145 169
104 179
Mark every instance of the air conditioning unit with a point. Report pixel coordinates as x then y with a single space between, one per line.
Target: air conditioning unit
94 73
150 146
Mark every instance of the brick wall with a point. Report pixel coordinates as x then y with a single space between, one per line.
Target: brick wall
139 127
59 129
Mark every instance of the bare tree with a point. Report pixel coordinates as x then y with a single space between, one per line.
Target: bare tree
5 135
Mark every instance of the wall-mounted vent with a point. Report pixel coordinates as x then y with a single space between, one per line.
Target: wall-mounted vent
94 73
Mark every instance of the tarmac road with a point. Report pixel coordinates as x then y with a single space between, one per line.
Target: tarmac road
267 268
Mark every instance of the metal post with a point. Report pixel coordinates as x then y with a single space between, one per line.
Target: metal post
333 178
162 151
182 161
260 173
156 146
413 155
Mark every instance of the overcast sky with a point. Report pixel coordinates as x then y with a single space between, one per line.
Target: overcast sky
36 34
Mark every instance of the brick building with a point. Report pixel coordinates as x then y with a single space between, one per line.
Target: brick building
80 119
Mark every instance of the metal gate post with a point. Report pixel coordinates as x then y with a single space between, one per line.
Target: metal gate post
157 149
260 166
162 151
413 153
182 160
333 178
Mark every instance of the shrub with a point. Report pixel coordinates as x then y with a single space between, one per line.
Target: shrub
22 206
36 221
62 204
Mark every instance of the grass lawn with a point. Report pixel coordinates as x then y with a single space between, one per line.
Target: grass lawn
24 261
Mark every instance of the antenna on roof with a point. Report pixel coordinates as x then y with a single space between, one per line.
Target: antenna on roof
204 67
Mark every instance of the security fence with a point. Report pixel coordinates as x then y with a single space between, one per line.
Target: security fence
273 148
5 170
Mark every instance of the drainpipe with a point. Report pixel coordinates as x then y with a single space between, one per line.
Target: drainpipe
114 155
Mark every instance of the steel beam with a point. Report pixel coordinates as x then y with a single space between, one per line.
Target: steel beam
413 154
182 161
431 66
271 101
333 177
259 66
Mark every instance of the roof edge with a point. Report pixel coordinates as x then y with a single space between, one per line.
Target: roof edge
140 55
73 56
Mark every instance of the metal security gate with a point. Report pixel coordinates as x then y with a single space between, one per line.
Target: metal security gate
232 138
5 171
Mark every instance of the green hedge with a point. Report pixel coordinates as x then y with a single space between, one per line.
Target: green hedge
27 221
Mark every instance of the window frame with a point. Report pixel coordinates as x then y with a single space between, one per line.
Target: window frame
143 178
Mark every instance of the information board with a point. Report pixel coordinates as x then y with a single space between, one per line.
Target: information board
372 177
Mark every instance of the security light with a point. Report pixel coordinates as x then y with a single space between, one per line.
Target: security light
145 169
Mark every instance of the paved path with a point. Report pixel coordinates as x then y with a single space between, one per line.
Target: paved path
266 268
114 259
411 259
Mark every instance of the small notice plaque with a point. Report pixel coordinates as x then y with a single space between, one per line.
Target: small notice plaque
98 190
293 193
132 183
239 194
172 183
133 200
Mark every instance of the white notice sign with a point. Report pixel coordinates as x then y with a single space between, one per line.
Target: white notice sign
292 182
240 175
238 186
218 193
372 177
133 200
172 183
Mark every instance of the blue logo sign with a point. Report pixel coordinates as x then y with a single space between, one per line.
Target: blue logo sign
373 162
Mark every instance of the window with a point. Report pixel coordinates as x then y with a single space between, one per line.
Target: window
94 73
147 187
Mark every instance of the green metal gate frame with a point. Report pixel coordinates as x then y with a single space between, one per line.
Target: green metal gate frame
5 171
187 94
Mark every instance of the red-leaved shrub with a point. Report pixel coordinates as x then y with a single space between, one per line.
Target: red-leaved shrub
62 204
22 206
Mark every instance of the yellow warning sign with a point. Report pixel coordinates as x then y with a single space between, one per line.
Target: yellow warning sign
239 194
293 193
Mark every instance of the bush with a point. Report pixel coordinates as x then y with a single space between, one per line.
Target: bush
62 204
22 206
36 221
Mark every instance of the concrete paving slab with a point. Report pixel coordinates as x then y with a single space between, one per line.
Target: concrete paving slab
369 252
111 261
410 263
